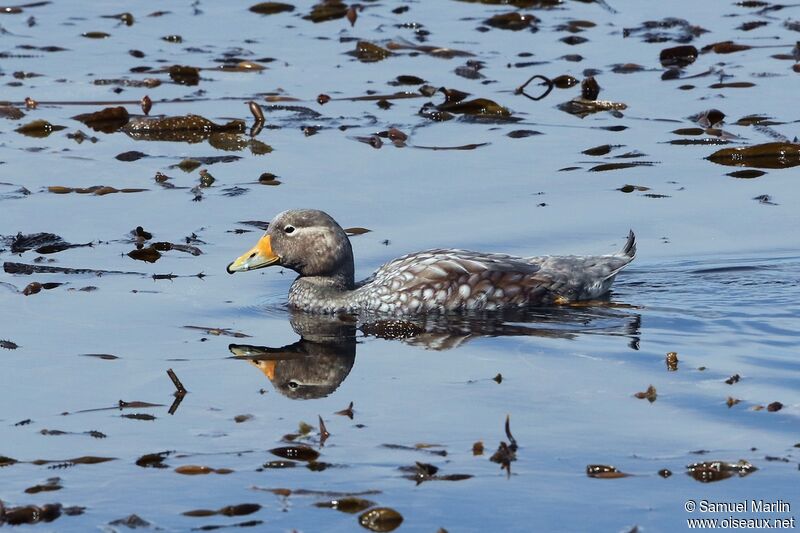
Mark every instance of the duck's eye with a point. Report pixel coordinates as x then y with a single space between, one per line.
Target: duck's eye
288 229
293 384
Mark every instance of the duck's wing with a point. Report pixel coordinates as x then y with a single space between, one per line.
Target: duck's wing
449 279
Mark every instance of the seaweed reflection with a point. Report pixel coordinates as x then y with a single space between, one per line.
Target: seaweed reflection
315 365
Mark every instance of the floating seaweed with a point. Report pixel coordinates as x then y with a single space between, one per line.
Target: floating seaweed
650 394
38 128
381 519
96 190
241 509
772 155
271 8
219 331
300 453
604 472
327 10
107 120
710 471
199 470
349 505
186 128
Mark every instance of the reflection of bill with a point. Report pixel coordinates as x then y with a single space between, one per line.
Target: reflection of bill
319 362
312 367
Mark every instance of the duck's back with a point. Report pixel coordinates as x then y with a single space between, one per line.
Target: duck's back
448 279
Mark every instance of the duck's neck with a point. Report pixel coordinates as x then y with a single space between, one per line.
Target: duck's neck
322 294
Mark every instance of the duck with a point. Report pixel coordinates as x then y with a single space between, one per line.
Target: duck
311 243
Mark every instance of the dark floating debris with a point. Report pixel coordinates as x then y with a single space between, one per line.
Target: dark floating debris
36 287
650 394
153 460
672 361
733 379
521 134
667 29
146 104
42 243
83 460
746 174
462 147
540 4
774 407
600 150
619 166
725 47
10 112
31 514
107 120
327 10
22 268
52 484
279 464
130 156
185 128
96 35
587 103
427 448
710 471
132 522
179 388
506 453
678 56
422 472
8 345
299 453
241 509
350 505
198 470
405 79
356 231
514 21
348 412
732 85
774 155
104 356
381 519
632 188
604 472
38 128
97 190
139 416
369 53
764 199
184 75
323 432
271 8
219 331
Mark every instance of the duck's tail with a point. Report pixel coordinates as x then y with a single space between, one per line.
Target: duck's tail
621 259
629 250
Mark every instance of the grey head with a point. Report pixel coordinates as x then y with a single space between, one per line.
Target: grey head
308 241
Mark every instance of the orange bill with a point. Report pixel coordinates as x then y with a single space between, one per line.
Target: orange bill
267 367
259 256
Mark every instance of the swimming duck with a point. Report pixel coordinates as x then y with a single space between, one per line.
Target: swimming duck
311 243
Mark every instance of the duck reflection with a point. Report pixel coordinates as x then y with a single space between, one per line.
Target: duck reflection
312 367
315 365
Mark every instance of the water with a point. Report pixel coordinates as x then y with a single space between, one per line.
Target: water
716 279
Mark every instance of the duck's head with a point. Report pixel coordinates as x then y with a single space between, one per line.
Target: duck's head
307 241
